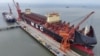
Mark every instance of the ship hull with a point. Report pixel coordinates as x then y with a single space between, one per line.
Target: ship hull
80 49
56 37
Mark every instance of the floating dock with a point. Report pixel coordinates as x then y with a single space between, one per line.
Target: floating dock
46 41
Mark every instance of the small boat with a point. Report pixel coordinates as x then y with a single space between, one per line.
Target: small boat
8 16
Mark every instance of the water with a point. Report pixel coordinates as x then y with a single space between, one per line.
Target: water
26 46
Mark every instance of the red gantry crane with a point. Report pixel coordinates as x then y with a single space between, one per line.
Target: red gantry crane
65 45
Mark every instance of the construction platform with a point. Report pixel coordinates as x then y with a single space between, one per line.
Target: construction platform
46 41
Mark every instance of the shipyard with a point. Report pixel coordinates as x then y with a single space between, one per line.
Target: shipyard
57 36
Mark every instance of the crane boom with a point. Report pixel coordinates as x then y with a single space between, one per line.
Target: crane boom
84 19
72 31
10 10
15 4
18 9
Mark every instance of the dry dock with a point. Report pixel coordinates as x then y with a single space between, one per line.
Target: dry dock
46 41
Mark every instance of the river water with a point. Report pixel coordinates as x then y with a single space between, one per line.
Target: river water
17 43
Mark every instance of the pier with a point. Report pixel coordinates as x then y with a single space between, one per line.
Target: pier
46 41
9 27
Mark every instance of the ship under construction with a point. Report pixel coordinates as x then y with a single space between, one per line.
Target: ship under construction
56 35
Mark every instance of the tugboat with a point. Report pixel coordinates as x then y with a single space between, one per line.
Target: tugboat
8 16
69 36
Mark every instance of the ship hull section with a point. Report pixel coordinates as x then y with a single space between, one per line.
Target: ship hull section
78 38
44 30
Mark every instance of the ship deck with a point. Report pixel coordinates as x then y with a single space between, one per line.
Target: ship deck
46 41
